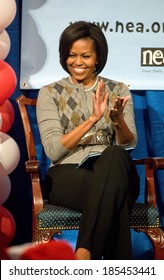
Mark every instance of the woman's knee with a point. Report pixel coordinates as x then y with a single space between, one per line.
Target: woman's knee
118 151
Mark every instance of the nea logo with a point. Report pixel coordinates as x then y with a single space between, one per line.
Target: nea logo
152 57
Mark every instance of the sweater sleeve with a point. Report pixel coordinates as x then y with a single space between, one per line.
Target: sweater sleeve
129 116
49 125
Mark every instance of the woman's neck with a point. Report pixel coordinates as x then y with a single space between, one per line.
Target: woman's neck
86 82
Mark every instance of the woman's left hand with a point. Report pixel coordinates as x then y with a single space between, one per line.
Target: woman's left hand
116 112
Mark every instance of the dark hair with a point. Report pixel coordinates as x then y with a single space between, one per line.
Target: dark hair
80 30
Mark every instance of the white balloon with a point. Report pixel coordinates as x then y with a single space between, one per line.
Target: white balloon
9 154
7 13
5 188
5 45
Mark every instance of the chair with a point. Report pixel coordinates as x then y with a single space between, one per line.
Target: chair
49 219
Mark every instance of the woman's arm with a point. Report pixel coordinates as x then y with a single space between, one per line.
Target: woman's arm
122 116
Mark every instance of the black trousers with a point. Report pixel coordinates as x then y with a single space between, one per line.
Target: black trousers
104 194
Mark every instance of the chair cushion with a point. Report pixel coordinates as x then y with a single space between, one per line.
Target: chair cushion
144 215
60 218
56 217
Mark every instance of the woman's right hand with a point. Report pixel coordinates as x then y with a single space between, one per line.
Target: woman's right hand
72 138
100 98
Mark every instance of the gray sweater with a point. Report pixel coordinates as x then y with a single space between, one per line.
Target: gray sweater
62 106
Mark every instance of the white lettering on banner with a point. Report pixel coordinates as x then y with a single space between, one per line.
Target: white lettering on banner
134 31
152 57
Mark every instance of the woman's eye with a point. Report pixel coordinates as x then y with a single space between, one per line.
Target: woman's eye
83 56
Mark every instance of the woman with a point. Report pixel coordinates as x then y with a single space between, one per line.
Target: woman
86 114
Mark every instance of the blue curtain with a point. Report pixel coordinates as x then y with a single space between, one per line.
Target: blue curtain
149 114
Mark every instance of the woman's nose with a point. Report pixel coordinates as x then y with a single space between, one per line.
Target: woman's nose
78 60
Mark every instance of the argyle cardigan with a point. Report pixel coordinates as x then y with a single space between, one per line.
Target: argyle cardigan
62 106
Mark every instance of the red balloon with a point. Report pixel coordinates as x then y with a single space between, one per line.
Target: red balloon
7 116
7 227
8 81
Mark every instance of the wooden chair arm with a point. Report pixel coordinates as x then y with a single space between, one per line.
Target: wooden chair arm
32 167
151 164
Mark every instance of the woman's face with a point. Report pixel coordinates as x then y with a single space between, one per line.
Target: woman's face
82 61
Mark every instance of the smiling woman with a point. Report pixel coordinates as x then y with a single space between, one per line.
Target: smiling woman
81 115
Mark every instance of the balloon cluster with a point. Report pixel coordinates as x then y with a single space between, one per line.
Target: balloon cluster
9 150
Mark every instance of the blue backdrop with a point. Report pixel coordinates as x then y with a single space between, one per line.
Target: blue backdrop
149 113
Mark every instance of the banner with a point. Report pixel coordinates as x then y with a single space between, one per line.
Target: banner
134 31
